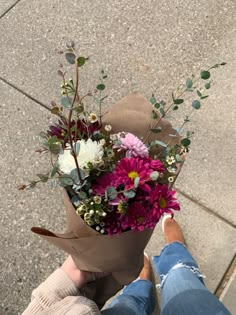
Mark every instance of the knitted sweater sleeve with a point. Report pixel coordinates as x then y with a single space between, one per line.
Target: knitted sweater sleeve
59 295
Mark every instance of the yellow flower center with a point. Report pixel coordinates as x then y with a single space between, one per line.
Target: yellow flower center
132 175
140 219
162 203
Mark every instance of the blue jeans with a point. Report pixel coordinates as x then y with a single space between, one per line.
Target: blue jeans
136 298
182 289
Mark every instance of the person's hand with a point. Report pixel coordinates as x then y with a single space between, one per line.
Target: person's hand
79 277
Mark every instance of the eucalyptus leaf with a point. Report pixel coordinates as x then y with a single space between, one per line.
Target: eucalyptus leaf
199 93
65 180
70 57
208 85
136 182
101 87
154 175
196 104
129 194
81 61
156 130
153 100
77 148
205 75
185 142
82 195
204 96
189 83
111 193
54 170
162 112
66 101
161 143
178 101
43 177
157 105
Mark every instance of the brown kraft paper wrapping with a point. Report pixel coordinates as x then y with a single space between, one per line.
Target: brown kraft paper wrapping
121 255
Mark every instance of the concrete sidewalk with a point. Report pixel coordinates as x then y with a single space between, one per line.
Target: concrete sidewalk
148 46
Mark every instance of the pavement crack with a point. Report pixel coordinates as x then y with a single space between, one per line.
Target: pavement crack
208 210
25 94
9 9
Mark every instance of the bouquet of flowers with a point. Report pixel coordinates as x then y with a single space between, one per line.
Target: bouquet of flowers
117 169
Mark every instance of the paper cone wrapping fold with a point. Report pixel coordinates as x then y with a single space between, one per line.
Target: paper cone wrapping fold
122 255
132 114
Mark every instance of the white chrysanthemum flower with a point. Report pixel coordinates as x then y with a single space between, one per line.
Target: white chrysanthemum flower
90 152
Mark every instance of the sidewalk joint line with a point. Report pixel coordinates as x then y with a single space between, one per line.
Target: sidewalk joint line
226 278
25 94
208 210
9 9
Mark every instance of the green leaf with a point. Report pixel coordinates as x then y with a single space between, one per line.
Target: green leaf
153 115
162 112
77 148
223 63
43 135
156 130
101 87
204 96
65 180
66 101
129 194
81 61
154 175
185 142
54 170
111 193
205 75
43 178
175 107
199 93
207 85
136 182
178 101
196 104
153 100
82 195
189 83
157 105
104 77
70 57
161 143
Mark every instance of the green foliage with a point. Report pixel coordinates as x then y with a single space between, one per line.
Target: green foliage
189 84
205 75
207 85
66 101
156 130
196 104
43 177
129 194
136 182
81 61
111 193
70 57
101 87
154 175
185 142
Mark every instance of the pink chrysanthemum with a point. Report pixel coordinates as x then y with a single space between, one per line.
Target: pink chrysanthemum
130 168
162 200
133 146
